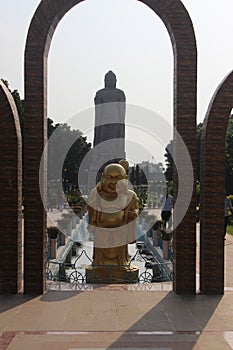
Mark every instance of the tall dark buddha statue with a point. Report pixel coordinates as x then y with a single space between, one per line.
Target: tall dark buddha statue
110 113
109 131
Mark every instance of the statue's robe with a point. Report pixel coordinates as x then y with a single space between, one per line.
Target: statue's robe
113 226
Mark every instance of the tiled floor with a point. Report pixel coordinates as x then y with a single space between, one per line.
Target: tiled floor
116 317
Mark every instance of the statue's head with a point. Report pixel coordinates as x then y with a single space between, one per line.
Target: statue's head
125 165
112 177
110 80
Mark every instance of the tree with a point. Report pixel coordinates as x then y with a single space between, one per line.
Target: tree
74 158
19 103
60 143
144 176
51 127
169 161
228 157
76 153
132 177
137 175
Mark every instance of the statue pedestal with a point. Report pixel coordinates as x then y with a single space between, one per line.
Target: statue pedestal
111 274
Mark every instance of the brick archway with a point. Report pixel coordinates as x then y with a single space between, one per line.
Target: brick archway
213 188
10 194
43 25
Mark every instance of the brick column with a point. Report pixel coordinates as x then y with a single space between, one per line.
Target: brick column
213 189
179 26
42 27
10 195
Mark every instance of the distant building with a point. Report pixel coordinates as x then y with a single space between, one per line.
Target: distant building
152 171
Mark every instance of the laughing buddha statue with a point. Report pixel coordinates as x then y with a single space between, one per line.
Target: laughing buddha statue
112 212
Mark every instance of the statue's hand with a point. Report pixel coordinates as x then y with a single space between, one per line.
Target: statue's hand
132 214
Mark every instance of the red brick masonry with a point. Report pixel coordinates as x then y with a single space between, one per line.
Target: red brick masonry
10 195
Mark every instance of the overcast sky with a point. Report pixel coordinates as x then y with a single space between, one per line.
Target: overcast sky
126 37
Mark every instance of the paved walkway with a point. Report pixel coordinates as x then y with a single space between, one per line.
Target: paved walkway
119 317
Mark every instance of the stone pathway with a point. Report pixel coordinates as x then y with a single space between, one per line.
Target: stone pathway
120 317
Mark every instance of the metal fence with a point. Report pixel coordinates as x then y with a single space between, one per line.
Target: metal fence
150 270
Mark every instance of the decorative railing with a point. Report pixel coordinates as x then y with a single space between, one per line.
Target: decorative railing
147 257
150 271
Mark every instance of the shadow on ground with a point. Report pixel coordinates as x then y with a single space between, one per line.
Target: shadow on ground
10 301
175 323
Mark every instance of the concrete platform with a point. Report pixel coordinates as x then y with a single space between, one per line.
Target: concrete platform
117 317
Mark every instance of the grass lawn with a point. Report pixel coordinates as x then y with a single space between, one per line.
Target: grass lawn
230 230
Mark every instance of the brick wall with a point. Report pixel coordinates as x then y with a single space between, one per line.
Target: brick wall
42 27
182 36
213 189
10 195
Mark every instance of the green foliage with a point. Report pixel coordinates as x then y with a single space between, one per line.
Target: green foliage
137 176
228 154
20 107
230 229
132 175
64 136
50 127
231 198
169 161
144 174
76 153
142 196
19 103
152 199
75 199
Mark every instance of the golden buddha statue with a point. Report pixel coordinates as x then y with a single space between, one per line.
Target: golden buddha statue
112 210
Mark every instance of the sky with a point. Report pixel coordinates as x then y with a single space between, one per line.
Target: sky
124 36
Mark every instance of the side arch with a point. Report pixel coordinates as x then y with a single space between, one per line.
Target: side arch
179 25
212 178
10 194
43 25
